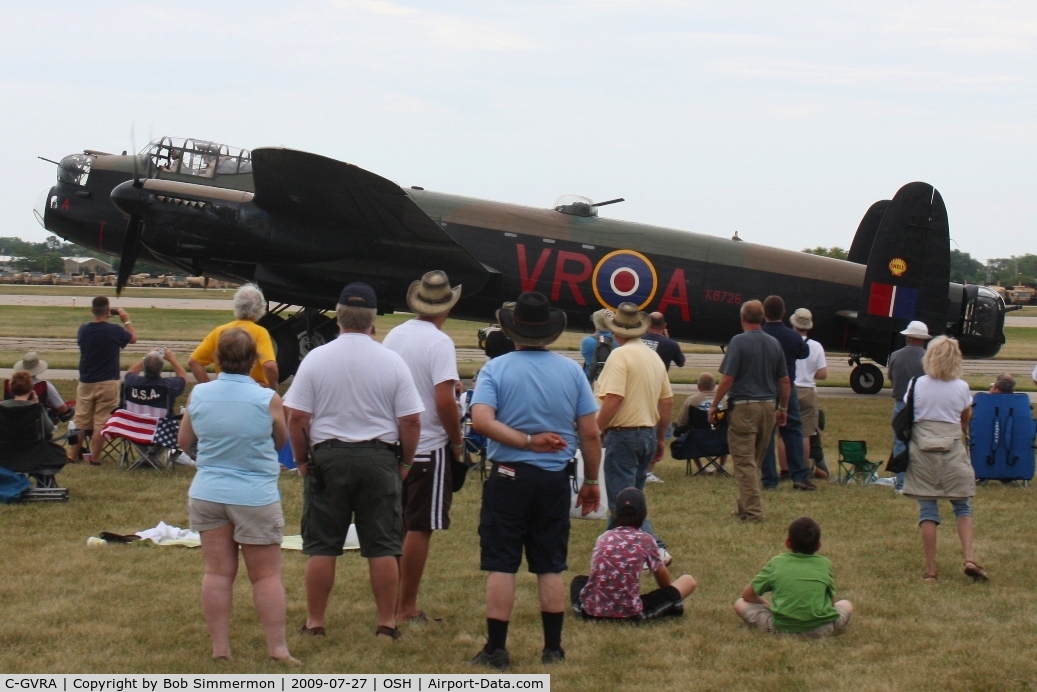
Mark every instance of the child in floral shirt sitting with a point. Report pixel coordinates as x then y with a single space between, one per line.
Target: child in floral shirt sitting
613 589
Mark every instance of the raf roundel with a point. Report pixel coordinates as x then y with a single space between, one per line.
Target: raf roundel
624 276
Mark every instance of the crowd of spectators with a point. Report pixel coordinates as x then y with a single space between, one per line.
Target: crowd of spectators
375 431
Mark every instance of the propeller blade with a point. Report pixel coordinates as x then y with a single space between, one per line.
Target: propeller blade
131 245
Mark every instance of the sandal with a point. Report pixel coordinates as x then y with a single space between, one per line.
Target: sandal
312 631
929 578
392 633
422 617
975 571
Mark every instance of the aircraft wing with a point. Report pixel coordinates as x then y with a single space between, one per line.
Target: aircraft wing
354 210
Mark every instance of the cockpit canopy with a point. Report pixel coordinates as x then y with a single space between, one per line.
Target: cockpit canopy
575 205
196 157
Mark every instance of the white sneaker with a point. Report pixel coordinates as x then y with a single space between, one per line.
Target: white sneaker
665 555
652 478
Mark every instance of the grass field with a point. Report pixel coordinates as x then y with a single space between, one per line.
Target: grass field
70 608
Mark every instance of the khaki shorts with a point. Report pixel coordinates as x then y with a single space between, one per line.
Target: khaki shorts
95 402
262 525
808 410
758 616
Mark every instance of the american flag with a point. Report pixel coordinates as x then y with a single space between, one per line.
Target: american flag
135 427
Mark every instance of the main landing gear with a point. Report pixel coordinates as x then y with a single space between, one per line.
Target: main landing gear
296 335
865 378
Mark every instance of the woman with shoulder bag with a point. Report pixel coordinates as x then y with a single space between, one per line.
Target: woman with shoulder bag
939 460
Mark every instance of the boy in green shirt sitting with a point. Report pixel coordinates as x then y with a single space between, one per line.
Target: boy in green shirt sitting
804 591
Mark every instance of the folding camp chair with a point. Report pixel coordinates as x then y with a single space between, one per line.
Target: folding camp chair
474 447
853 459
701 441
25 448
145 431
1001 438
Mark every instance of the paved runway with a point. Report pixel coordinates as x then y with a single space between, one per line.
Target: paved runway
219 304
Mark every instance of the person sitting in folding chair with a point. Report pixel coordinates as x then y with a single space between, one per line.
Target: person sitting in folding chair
147 372
25 432
57 408
698 440
24 395
702 399
144 424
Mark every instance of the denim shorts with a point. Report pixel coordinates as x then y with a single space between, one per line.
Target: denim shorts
929 511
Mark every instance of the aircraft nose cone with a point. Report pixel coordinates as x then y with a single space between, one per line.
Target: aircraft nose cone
127 198
39 208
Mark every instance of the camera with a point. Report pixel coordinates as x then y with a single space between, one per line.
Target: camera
113 312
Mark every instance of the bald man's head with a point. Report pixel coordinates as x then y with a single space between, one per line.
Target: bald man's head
658 322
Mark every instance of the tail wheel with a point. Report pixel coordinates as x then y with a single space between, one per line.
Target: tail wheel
866 379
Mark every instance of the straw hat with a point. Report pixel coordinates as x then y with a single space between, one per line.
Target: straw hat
432 296
531 321
31 363
917 330
628 322
598 318
802 319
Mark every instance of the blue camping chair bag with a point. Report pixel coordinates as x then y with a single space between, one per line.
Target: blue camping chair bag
1001 434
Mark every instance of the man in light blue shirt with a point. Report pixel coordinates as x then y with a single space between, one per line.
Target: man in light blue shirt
535 407
592 365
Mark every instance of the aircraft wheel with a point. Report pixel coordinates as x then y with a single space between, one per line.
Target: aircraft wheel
866 379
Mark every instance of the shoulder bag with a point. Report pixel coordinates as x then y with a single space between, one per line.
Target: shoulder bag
902 425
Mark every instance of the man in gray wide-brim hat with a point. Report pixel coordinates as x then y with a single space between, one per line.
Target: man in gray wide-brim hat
437 470
636 407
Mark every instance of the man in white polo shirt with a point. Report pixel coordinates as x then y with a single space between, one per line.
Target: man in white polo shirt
808 370
427 491
354 401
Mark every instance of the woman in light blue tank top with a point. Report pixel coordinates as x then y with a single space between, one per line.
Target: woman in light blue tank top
234 498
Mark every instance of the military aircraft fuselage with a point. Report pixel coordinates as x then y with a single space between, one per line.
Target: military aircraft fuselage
302 226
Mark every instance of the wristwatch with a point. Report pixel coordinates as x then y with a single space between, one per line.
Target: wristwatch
529 442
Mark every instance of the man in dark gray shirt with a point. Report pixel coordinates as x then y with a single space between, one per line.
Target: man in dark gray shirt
754 376
903 365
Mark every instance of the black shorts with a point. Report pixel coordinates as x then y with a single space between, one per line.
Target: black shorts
525 507
427 492
655 604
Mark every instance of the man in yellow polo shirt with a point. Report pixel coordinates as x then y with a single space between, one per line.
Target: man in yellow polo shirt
636 407
249 306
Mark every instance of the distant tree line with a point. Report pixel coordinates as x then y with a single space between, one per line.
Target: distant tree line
1008 271
46 256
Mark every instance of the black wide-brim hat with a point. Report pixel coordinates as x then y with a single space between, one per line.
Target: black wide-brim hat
531 321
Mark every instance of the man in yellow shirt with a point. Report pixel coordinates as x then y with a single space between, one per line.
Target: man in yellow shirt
249 306
636 407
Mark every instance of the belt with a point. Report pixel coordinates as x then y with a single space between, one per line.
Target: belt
636 427
367 444
751 401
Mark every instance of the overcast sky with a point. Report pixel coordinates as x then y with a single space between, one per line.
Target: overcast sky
781 120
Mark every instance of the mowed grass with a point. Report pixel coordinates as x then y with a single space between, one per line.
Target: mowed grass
135 608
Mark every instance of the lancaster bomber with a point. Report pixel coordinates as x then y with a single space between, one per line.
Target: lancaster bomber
302 225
